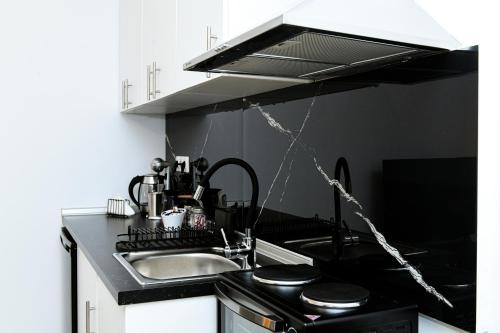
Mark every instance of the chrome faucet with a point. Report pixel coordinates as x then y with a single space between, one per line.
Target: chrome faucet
246 248
242 250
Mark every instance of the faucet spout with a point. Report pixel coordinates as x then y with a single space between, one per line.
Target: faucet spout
341 167
248 243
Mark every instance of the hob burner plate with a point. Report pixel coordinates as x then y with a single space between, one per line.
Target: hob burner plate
341 296
286 275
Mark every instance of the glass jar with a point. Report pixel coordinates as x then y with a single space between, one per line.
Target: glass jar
196 218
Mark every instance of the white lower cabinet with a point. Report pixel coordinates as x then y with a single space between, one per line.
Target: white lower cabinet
104 315
189 315
86 295
110 316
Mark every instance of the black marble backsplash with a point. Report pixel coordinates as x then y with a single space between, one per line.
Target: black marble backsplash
431 120
412 155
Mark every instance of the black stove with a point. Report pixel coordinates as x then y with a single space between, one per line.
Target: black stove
324 305
334 296
286 275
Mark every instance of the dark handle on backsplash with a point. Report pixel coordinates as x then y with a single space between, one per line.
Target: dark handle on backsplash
136 180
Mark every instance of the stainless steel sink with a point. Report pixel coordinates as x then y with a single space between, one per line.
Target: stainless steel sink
153 267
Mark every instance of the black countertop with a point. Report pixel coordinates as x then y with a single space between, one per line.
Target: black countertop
96 236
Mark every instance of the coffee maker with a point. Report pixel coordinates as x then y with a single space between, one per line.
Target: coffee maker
150 189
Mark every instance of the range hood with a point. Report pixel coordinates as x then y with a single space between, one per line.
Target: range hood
322 39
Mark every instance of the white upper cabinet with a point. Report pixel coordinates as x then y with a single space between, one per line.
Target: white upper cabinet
158 47
158 36
130 48
199 28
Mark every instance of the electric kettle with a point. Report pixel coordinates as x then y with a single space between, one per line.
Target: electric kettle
150 183
147 184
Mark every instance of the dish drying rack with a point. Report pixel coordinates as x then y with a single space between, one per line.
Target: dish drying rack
162 238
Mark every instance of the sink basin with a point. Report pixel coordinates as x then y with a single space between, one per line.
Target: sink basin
154 267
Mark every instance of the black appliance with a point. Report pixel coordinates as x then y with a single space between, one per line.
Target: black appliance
69 246
432 204
248 305
440 193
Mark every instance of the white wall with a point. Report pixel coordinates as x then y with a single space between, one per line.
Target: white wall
63 143
476 22
488 293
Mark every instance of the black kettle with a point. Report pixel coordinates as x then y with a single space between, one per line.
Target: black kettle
147 184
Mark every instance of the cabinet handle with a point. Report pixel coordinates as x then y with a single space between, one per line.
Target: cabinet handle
210 37
123 94
125 87
148 84
155 71
88 308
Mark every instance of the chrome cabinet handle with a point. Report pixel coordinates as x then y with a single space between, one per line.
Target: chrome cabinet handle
210 37
155 72
123 95
88 308
148 82
125 102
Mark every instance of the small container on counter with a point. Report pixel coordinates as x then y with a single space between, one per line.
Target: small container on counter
196 218
173 218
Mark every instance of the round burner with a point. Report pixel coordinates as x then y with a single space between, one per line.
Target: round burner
335 295
286 275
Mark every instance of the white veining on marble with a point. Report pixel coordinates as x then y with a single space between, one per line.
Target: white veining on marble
206 137
336 183
292 144
272 122
170 146
275 124
290 167
415 274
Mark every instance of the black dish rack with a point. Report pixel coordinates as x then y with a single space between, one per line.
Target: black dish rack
161 238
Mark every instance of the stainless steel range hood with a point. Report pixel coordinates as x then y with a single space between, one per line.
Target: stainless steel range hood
321 39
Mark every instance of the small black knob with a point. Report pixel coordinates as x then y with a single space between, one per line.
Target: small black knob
201 164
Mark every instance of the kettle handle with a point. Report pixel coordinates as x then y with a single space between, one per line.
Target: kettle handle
136 180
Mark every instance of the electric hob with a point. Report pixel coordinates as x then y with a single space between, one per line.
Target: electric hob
324 304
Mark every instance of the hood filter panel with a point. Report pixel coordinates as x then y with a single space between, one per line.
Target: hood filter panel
333 49
269 66
313 55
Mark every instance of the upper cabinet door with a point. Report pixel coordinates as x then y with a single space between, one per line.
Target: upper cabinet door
159 34
199 28
130 48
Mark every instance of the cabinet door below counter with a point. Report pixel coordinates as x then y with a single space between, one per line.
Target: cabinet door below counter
98 311
86 294
187 315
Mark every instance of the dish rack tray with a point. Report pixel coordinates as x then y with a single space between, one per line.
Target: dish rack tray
161 238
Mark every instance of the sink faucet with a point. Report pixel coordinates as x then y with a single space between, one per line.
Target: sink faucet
247 245
338 238
242 250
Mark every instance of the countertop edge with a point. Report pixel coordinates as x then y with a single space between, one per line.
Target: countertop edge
138 294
